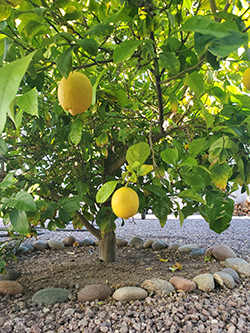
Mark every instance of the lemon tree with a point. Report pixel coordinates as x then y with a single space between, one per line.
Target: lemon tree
105 96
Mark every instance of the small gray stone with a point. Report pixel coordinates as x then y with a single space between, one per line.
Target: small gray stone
187 248
136 241
232 272
148 243
22 250
29 246
229 262
86 242
121 242
56 244
50 296
222 252
158 245
196 253
40 245
158 285
174 246
10 275
205 282
227 279
130 294
94 291
69 240
242 269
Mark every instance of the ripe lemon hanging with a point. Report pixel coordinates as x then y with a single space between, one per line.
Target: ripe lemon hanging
246 78
125 202
75 93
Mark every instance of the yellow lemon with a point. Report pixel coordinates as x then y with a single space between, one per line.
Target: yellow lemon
75 93
246 78
125 202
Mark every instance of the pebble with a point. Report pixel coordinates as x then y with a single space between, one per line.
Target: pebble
242 269
22 250
10 274
56 244
230 262
148 243
232 272
158 245
196 253
40 245
227 279
29 246
158 285
129 294
182 284
136 241
86 242
222 252
50 296
93 291
69 241
174 246
187 248
121 242
10 287
205 282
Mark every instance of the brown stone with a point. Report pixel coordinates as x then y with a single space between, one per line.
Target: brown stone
10 287
69 240
182 284
222 252
92 292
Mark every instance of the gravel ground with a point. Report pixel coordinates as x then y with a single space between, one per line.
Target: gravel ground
218 311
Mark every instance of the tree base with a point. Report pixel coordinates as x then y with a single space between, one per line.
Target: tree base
107 247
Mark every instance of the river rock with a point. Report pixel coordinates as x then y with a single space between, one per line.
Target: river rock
121 242
222 252
29 246
209 252
69 240
232 272
10 275
196 253
158 245
242 269
10 287
148 243
22 250
92 292
229 262
50 296
227 279
86 242
182 284
205 282
136 241
187 248
174 246
40 245
158 285
129 294
56 244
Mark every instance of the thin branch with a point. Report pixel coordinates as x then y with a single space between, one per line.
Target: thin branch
94 64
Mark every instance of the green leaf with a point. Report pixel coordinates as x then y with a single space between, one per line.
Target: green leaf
170 156
10 78
75 133
71 205
64 62
195 82
190 161
28 102
170 62
64 216
189 194
89 45
161 209
8 181
220 173
193 179
138 153
102 139
105 191
19 221
125 50
101 29
144 170
82 188
49 210
208 117
3 147
24 201
196 146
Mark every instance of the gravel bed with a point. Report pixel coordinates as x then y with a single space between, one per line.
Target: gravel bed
218 311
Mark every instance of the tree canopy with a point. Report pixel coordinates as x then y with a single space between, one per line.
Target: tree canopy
169 117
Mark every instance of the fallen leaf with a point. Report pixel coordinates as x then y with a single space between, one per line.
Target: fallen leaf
164 260
149 269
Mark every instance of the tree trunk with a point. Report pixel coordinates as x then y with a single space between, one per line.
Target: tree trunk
107 247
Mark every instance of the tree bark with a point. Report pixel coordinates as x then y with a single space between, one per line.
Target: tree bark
107 247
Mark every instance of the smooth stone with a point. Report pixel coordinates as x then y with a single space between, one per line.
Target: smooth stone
69 240
232 272
158 285
174 246
136 241
242 269
209 252
148 243
22 250
10 287
92 292
205 282
229 262
129 294
86 242
158 245
121 242
187 248
10 275
40 245
56 244
182 284
29 246
50 296
227 279
196 253
222 252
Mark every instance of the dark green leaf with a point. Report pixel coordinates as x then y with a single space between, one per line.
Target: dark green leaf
64 62
3 147
161 209
19 221
220 173
89 45
170 62
64 216
71 205
49 210
189 194
101 29
196 146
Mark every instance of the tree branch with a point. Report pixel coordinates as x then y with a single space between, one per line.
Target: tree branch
95 232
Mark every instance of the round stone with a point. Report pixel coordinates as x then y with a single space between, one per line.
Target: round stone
232 272
69 240
56 244
94 291
10 275
158 245
182 284
121 242
187 248
174 246
22 250
242 269
148 243
204 282
86 242
40 245
50 296
130 294
196 253
29 246
136 241
230 262
227 279
10 287
222 252
159 286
